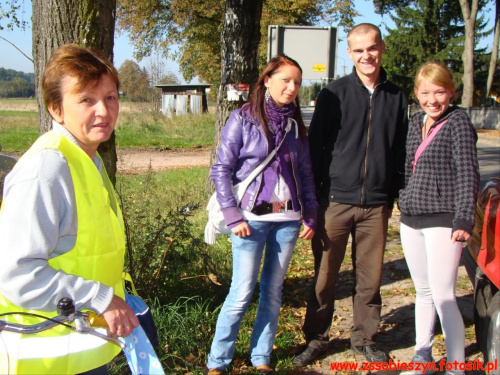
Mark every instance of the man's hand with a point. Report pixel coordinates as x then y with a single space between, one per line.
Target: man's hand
120 318
307 233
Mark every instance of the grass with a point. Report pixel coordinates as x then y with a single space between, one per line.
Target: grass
18 130
136 127
137 130
186 302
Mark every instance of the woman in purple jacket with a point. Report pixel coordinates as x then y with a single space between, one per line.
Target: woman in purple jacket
275 205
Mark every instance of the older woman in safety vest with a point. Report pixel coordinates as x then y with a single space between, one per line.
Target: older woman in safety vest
61 227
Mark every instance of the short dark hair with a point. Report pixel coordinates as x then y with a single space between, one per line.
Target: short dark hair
87 65
365 28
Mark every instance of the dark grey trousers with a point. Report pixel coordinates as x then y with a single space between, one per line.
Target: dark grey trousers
368 226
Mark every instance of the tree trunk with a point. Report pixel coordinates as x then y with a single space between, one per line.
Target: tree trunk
86 22
494 54
240 39
468 55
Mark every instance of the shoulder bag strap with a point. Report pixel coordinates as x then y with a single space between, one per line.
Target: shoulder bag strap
425 143
243 185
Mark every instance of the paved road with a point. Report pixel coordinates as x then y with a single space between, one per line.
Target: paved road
488 150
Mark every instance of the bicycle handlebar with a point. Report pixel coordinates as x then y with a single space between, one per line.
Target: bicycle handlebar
66 314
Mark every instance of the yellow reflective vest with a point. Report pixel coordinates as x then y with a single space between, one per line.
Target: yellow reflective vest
98 255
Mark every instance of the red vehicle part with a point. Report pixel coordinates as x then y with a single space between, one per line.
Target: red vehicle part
484 270
485 242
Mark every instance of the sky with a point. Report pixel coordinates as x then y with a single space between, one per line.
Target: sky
10 58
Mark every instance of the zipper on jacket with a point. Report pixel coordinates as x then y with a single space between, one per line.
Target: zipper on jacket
365 172
296 186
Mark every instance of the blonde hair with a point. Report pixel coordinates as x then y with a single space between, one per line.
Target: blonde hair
364 28
435 72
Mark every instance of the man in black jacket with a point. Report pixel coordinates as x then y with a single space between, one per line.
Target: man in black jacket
357 141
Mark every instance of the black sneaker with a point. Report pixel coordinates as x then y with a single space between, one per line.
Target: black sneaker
371 353
307 356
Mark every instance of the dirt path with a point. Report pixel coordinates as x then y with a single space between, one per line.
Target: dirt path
140 160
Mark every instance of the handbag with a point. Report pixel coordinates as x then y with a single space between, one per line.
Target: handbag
141 310
216 224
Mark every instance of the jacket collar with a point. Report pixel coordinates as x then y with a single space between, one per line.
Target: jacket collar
382 78
451 109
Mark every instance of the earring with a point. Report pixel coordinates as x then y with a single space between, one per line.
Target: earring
267 94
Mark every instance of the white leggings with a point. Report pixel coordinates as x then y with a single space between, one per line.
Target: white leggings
433 262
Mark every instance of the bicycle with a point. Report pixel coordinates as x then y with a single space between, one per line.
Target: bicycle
80 322
66 314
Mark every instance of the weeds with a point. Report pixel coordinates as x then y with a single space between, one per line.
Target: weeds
166 255
187 327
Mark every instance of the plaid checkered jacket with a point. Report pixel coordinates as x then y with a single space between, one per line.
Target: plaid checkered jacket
446 178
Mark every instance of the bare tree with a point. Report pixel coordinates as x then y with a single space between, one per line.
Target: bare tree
156 66
494 53
240 39
85 22
469 14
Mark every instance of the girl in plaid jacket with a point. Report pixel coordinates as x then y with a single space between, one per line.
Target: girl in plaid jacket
437 209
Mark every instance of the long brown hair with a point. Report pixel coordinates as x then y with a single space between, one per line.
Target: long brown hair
257 99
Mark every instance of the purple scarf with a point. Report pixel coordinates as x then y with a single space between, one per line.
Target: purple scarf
278 119
277 122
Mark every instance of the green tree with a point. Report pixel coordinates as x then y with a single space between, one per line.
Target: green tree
134 81
17 88
189 31
9 13
471 22
310 92
427 30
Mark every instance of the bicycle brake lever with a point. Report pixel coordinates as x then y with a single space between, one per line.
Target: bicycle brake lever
106 337
82 325
81 321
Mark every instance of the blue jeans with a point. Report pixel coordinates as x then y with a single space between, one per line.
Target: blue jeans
279 240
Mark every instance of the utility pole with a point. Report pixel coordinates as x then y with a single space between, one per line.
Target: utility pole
343 66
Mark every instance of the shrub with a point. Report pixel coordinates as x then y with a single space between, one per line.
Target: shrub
166 255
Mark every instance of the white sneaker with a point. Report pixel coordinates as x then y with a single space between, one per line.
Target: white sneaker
422 366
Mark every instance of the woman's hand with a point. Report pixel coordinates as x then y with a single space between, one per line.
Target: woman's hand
242 230
307 233
460 236
120 318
